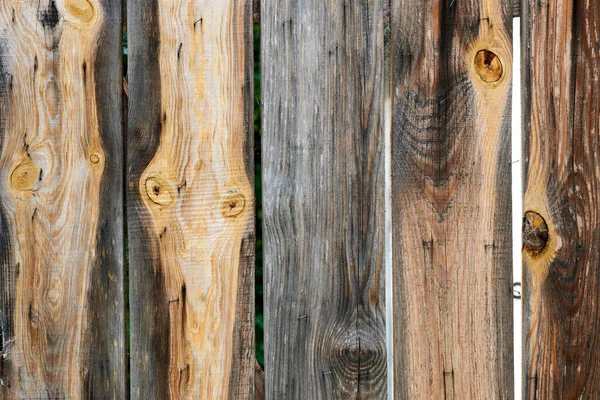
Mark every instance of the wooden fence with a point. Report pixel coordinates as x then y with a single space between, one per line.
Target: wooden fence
127 217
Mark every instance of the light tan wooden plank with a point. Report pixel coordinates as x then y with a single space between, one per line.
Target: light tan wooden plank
190 199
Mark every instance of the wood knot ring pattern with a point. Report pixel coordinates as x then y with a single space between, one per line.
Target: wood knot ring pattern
81 9
233 204
488 66
535 232
25 176
94 159
159 191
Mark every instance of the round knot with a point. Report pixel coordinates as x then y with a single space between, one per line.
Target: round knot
94 159
25 176
159 191
81 9
233 204
535 232
488 66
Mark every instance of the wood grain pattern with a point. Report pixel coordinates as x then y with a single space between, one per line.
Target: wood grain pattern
451 202
190 199
561 120
61 226
323 163
259 382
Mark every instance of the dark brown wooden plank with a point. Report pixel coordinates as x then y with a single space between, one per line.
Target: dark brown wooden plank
190 199
561 118
62 313
451 199
323 163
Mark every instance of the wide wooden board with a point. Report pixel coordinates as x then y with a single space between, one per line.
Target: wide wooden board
190 199
62 313
323 199
451 66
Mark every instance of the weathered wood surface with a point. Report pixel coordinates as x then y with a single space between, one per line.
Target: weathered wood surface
323 199
451 200
190 199
561 121
61 222
259 382
386 9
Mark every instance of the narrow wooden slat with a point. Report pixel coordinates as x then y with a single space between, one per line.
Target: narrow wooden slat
562 186
61 222
451 68
190 199
323 199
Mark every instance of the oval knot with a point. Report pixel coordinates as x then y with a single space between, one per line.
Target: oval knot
25 176
159 191
488 66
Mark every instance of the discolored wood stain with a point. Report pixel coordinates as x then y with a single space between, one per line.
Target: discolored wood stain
561 121
190 199
323 160
451 64
61 226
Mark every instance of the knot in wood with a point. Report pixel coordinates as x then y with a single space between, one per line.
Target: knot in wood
233 204
81 10
535 232
94 159
159 191
488 66
25 176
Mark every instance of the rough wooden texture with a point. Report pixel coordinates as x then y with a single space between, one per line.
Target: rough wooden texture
61 226
561 121
190 199
451 202
323 160
386 9
256 10
259 382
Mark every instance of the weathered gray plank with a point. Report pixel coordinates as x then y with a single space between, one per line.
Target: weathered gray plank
451 201
323 163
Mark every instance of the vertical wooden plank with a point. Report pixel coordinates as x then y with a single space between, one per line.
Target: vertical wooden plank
190 199
561 227
61 198
451 199
323 199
